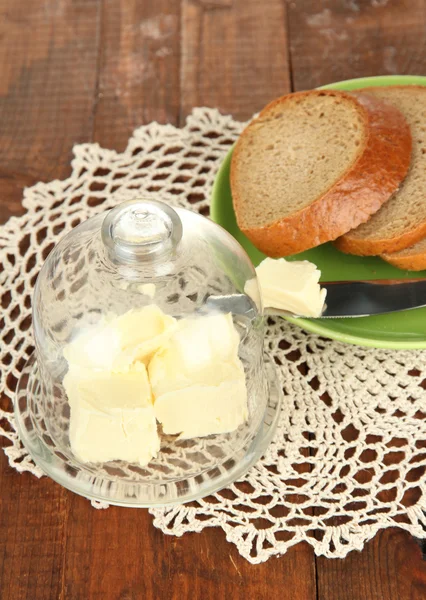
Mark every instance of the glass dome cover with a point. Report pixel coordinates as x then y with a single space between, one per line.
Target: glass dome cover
139 254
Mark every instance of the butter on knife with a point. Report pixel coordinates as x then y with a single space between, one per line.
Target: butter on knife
292 286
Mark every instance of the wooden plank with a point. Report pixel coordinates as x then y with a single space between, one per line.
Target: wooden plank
234 55
48 60
331 41
117 553
139 68
32 536
389 568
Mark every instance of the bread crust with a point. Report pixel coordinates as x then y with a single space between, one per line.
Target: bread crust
366 247
411 262
376 174
362 247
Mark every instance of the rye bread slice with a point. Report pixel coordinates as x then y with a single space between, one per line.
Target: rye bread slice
401 222
410 259
314 165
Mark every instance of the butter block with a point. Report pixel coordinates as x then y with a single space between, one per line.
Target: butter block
101 437
201 350
96 348
109 391
290 285
141 366
198 380
141 332
112 416
201 410
117 341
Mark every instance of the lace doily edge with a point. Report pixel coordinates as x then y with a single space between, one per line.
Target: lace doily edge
345 539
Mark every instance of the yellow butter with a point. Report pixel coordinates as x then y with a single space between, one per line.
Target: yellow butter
101 437
198 380
200 410
116 342
141 333
201 350
141 366
288 285
112 416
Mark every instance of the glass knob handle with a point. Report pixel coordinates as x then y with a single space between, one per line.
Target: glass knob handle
141 231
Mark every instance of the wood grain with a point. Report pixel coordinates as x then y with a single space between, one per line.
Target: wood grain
33 516
117 553
389 568
138 79
331 41
48 63
391 565
234 55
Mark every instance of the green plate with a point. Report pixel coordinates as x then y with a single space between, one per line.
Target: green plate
405 329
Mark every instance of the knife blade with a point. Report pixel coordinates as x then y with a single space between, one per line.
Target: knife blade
345 299
366 298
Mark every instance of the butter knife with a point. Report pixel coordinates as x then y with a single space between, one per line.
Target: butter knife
344 299
366 298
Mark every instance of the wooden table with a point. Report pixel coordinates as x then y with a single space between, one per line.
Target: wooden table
93 70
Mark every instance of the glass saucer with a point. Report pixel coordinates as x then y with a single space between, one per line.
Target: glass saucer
43 430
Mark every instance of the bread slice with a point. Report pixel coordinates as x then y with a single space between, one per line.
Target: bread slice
314 165
410 259
401 222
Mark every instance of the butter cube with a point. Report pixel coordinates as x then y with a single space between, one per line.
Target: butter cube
142 332
198 380
112 416
288 285
116 342
201 350
200 410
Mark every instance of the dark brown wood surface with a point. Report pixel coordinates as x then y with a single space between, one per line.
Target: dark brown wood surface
93 70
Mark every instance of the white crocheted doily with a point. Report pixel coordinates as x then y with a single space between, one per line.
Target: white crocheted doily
347 409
